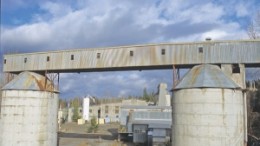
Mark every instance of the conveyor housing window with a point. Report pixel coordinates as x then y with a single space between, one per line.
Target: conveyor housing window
235 68
48 58
200 49
131 53
71 57
163 51
98 55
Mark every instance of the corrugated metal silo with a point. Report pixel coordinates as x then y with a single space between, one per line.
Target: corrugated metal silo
29 112
207 109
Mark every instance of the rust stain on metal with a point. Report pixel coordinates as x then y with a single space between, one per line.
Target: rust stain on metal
223 105
30 81
195 75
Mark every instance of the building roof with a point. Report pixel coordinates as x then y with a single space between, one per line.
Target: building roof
153 123
206 76
30 81
145 107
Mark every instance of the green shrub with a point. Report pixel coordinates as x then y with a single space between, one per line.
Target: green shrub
93 125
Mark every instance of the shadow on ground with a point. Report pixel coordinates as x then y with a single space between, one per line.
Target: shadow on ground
113 131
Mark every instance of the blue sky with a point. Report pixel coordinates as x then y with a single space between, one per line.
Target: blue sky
42 25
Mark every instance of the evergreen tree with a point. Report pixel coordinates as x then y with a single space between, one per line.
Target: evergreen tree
145 95
149 97
75 105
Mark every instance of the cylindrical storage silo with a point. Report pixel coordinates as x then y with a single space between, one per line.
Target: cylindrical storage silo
207 109
29 112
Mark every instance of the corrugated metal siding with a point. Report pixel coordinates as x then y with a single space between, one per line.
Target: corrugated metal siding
246 52
125 109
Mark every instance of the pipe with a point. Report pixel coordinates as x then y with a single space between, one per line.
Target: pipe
245 118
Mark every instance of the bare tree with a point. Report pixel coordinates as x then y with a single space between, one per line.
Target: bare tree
253 30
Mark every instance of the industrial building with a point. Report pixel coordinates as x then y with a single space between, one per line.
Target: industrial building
108 111
148 124
111 111
209 105
208 108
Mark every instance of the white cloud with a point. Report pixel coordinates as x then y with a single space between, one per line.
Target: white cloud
31 36
56 9
204 13
114 23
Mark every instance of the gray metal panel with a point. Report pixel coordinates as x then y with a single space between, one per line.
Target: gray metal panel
139 133
206 76
159 132
125 109
139 137
146 56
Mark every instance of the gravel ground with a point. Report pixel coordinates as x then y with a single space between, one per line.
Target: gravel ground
72 134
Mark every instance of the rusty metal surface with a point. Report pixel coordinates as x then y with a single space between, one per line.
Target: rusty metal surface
30 81
206 76
144 57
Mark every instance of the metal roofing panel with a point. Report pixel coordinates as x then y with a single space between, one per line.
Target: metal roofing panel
30 81
206 76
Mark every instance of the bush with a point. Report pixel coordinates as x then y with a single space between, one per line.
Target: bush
93 125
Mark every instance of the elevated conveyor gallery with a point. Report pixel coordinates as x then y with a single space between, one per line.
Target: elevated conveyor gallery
140 57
